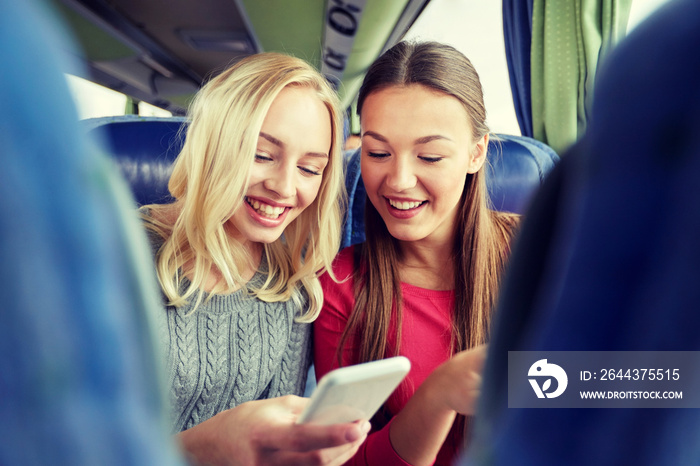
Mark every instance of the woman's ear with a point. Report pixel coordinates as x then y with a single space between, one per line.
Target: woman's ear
478 155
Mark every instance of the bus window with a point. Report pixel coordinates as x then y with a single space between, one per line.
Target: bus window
93 101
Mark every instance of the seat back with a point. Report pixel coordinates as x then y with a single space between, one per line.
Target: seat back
516 167
144 150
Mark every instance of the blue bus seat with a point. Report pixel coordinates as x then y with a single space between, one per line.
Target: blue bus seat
144 149
516 167
79 373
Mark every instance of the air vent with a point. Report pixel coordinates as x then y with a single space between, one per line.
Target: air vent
218 41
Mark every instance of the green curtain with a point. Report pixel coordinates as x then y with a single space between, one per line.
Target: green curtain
569 39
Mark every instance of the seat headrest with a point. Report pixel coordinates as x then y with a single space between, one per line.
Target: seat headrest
516 166
144 150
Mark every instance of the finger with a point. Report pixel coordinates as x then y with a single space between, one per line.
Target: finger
308 437
482 352
335 456
340 455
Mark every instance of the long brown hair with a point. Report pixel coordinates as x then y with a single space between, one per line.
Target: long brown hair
482 236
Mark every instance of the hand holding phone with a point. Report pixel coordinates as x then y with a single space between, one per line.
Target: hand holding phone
354 392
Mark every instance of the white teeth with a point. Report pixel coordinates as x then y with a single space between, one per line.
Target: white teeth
404 205
265 210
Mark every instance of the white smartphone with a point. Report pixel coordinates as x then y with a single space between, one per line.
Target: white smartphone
354 392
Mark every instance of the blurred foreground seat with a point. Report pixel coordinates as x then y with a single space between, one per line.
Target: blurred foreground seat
607 260
78 374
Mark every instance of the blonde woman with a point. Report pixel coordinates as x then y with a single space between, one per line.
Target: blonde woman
256 219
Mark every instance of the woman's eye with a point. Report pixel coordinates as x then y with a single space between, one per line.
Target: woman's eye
310 171
378 155
430 159
262 158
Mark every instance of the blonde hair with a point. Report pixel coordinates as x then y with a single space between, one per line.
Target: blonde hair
210 179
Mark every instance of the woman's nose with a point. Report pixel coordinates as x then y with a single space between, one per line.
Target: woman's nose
401 175
281 181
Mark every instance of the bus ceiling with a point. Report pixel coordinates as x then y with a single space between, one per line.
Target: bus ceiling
161 51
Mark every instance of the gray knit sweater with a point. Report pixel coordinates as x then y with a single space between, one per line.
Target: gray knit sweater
233 349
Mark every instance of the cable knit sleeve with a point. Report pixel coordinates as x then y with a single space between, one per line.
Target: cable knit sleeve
337 306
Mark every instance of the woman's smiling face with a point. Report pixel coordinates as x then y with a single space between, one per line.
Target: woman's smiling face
292 153
417 150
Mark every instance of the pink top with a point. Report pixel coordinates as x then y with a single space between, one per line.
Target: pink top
425 341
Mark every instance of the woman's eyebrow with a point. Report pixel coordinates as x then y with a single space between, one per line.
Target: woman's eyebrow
317 154
272 139
421 140
280 144
374 135
427 139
